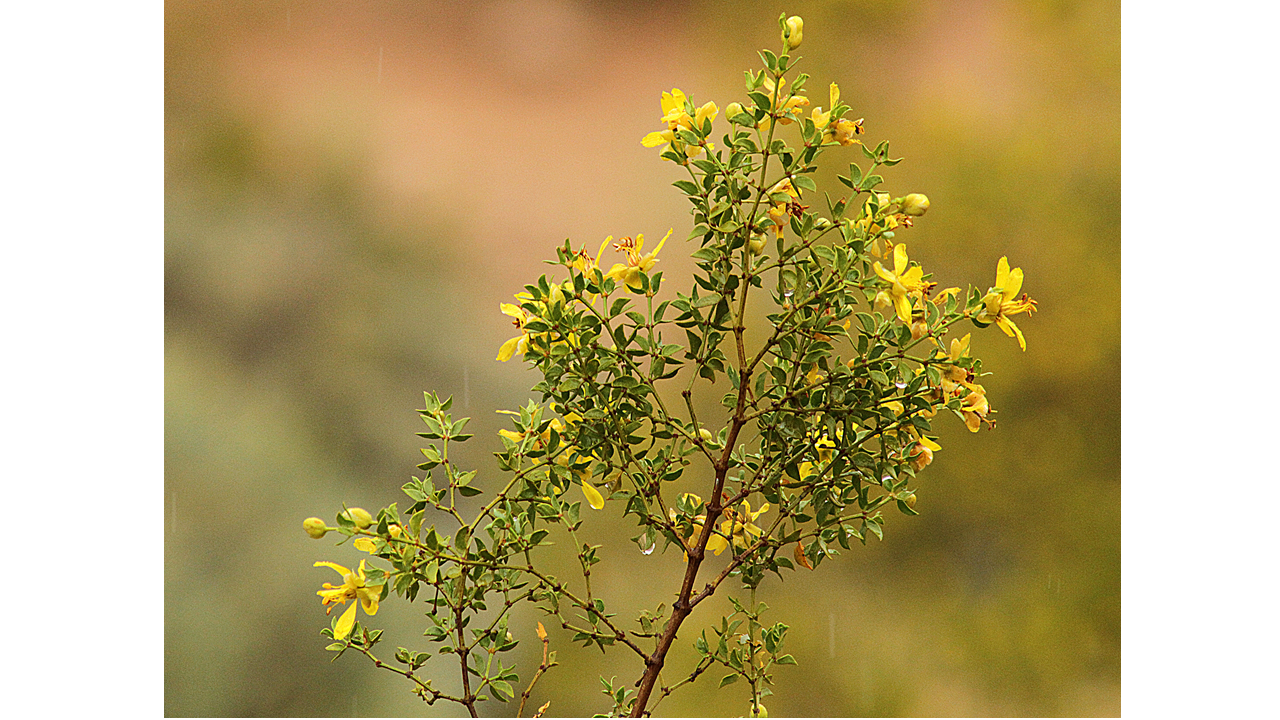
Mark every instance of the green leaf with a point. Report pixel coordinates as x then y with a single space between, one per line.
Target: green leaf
707 300
502 690
728 680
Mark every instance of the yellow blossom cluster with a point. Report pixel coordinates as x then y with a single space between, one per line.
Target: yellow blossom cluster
521 317
675 113
958 382
738 526
836 129
570 458
785 110
876 219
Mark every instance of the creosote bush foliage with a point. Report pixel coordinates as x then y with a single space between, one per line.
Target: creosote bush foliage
826 422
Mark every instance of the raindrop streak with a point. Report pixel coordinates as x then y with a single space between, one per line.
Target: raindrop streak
466 388
173 514
831 636
379 63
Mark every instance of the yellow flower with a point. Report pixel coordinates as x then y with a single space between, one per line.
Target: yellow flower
629 272
904 282
957 382
826 448
584 263
778 213
521 317
836 130
572 459
875 223
353 587
677 117
793 32
716 544
975 407
520 343
741 525
923 450
787 112
914 204
1002 300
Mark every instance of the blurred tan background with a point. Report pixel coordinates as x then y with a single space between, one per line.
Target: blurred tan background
353 187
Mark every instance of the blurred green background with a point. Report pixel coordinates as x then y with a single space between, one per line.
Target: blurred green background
352 188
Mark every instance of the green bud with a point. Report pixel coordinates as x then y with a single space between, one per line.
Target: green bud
911 500
733 110
756 245
360 517
315 527
914 204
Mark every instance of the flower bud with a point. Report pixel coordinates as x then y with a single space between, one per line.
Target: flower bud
315 527
756 245
793 32
911 500
919 329
735 109
706 435
360 517
883 303
914 204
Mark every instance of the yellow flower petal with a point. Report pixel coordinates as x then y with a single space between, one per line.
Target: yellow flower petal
1012 330
593 495
365 544
717 544
884 274
903 306
508 349
1013 285
656 138
672 101
345 623
341 570
1002 272
899 259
